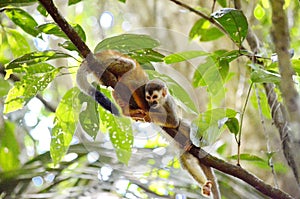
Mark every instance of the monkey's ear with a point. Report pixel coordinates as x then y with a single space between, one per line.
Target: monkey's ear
164 92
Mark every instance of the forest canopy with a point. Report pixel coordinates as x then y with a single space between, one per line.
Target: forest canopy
232 68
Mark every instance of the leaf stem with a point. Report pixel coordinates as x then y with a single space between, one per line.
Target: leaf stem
239 139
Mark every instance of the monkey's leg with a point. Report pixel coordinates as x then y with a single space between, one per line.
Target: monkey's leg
136 114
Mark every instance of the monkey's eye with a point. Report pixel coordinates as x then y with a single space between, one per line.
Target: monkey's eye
148 97
154 97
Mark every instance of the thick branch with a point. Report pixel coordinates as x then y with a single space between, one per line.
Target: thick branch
280 34
236 171
200 154
84 51
66 27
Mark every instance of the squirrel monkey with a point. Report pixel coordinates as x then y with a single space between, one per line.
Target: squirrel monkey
138 97
124 75
163 112
162 107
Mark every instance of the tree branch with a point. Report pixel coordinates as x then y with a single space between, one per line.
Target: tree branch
280 34
277 115
84 51
66 27
236 171
199 153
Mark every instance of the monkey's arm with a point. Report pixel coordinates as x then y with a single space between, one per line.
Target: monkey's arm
166 114
90 90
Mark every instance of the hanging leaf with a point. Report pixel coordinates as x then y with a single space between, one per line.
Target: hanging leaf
42 10
263 100
4 87
53 29
208 74
34 58
66 117
222 3
120 133
22 19
233 125
234 23
17 42
183 56
263 76
296 65
72 2
144 56
26 89
209 125
127 42
9 147
89 118
203 29
17 3
247 157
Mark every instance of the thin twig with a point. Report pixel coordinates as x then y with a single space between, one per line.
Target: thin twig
239 140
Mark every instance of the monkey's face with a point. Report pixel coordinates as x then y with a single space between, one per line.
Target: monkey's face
155 98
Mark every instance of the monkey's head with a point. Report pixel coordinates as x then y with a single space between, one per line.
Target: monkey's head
156 93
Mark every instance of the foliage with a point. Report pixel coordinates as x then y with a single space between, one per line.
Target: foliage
76 112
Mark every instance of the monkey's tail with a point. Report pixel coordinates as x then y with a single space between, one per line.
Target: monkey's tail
90 90
191 164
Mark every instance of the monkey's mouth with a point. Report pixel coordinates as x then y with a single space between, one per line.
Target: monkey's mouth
154 105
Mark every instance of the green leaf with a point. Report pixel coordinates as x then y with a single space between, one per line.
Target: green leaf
17 43
264 106
17 3
263 76
89 117
22 19
120 133
53 29
119 129
66 117
233 125
127 42
4 87
42 10
183 56
208 74
69 46
9 148
176 90
209 125
34 58
26 89
248 157
146 56
296 65
222 3
203 29
211 34
222 149
234 23
72 2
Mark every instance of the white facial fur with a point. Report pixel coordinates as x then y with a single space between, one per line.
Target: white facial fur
156 99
